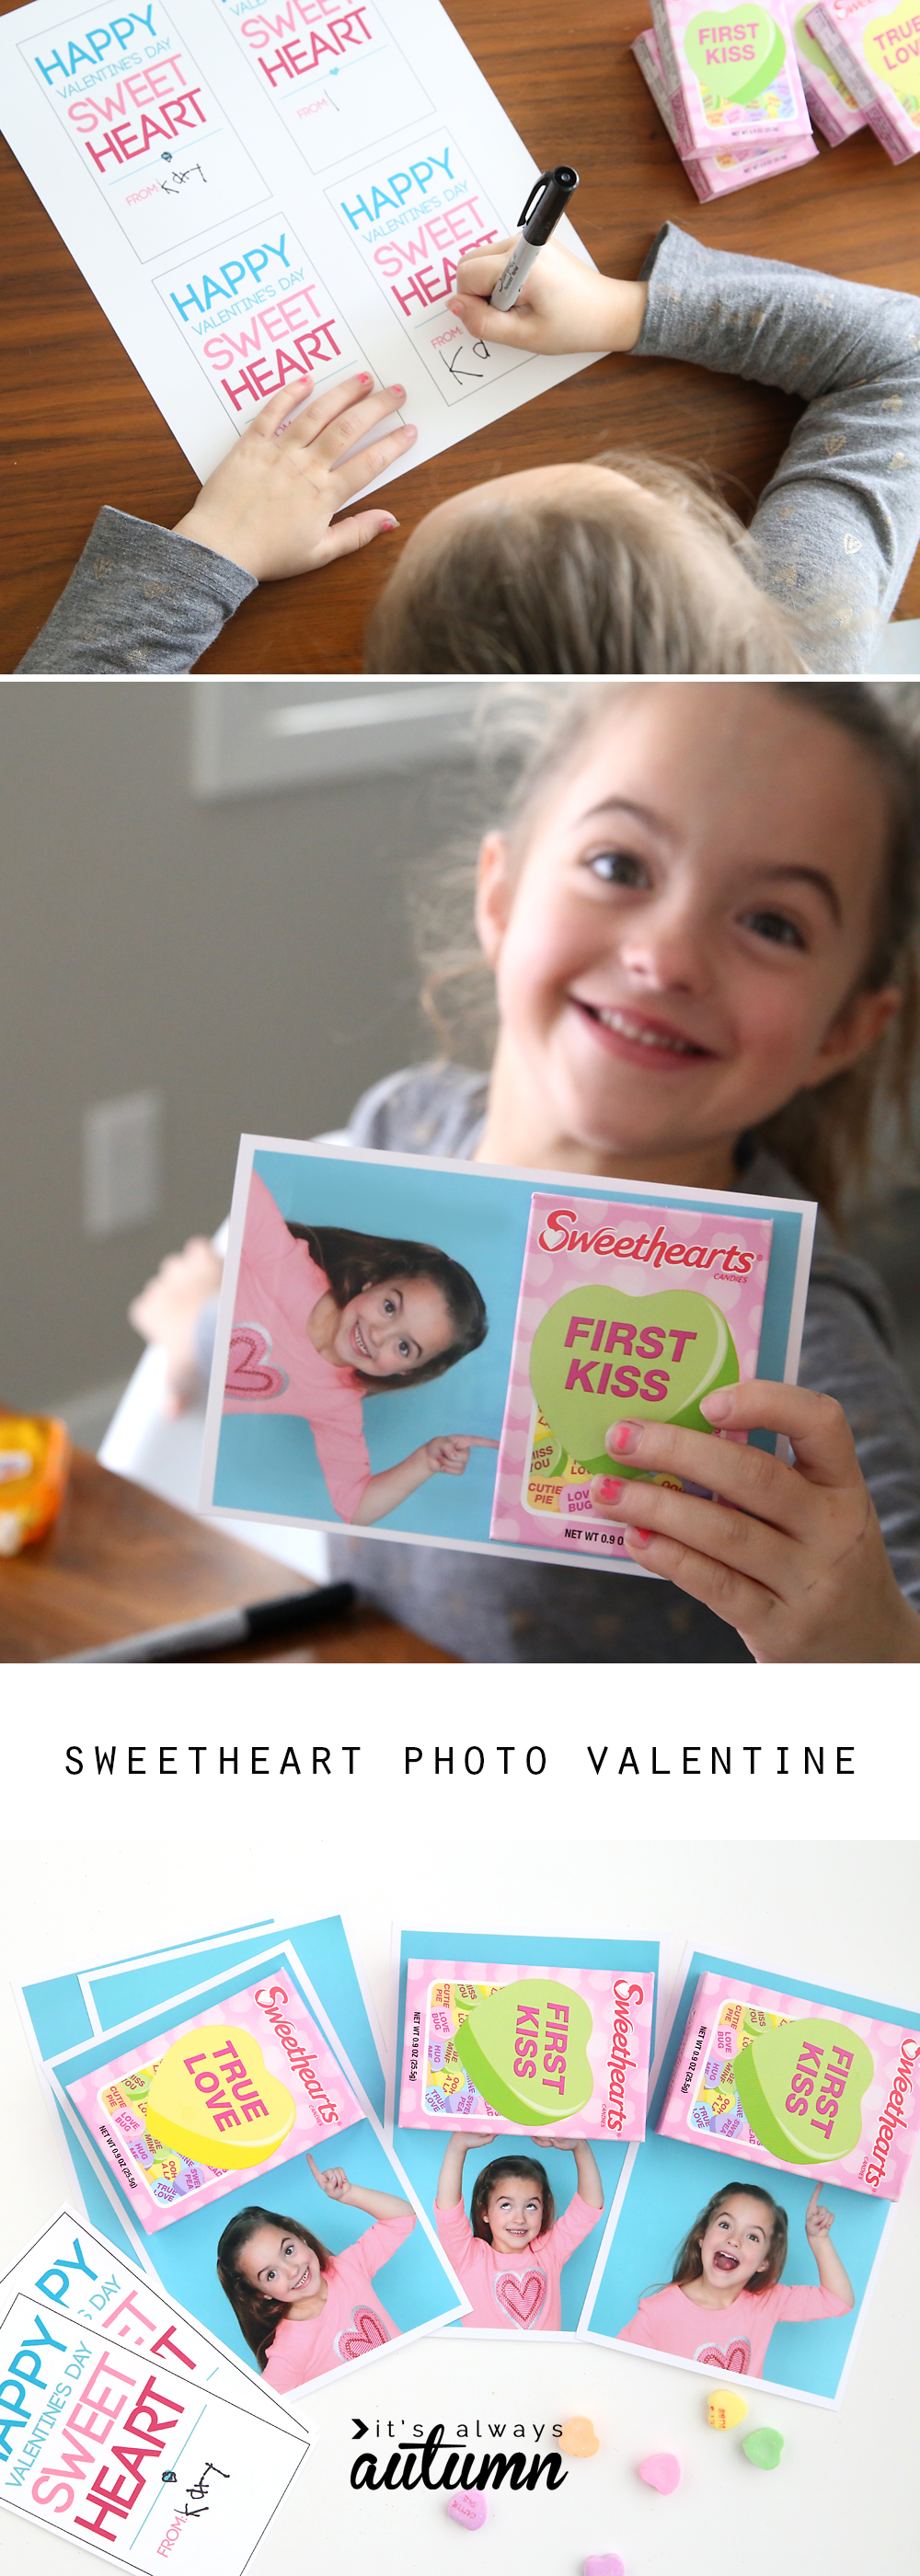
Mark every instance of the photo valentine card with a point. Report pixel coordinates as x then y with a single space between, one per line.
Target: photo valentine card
520 2048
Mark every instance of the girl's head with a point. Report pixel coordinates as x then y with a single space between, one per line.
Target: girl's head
407 1311
739 2241
699 911
624 564
512 2203
265 2263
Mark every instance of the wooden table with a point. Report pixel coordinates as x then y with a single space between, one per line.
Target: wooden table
119 1560
79 427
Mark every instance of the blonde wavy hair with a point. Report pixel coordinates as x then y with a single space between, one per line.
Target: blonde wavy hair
829 1139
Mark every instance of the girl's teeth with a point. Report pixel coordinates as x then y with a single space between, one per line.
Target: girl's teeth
626 1028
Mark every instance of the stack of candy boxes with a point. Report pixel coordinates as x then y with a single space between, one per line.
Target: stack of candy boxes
737 91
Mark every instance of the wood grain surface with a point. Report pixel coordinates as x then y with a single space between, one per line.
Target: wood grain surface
79 427
119 1561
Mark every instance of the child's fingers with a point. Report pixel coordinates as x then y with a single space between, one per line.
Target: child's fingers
275 412
347 536
813 2203
352 476
816 1425
314 2169
330 425
735 1538
479 270
743 1604
514 330
749 1478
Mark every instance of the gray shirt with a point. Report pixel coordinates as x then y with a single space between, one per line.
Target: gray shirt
493 1609
836 528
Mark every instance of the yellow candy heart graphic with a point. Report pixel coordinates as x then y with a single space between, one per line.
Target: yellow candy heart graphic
213 2097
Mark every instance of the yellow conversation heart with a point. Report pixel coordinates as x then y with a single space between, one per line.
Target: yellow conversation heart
725 2409
213 2097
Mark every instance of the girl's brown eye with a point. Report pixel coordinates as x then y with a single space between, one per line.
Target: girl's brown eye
618 867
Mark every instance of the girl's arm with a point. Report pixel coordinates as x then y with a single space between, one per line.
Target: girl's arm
450 2178
793 1557
590 2186
149 599
831 2274
378 2204
446 1456
838 524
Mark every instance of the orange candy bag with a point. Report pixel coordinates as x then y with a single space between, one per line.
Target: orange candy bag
34 1467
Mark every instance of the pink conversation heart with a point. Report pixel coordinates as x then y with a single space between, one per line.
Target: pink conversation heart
661 2471
366 2332
248 1372
521 2294
604 2567
469 2509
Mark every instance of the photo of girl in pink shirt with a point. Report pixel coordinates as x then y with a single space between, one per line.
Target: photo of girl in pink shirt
509 2253
304 2311
724 2298
325 1318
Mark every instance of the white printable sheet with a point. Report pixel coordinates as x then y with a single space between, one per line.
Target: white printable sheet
257 193
121 2455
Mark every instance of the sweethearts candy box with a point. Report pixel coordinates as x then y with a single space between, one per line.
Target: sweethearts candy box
732 76
784 2082
213 2103
622 1309
831 105
878 56
719 172
526 2048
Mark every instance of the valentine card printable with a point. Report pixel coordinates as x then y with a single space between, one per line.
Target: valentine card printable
526 2048
422 1349
119 2453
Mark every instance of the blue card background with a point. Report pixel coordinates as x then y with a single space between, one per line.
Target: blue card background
269 1464
670 2182
422 2150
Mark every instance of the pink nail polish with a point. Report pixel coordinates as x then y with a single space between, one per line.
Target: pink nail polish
624 1439
641 1537
608 1488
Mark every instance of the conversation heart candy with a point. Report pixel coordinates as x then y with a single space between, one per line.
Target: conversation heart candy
764 2447
526 2050
470 2510
725 2409
710 48
579 2438
599 1355
661 2471
607 2566
801 2088
212 2097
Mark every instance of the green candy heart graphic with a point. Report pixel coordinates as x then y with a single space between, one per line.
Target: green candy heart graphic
526 2050
737 58
600 1354
808 45
801 2090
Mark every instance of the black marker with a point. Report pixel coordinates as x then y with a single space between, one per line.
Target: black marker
281 1617
548 199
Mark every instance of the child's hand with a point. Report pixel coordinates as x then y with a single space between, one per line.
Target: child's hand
563 305
793 1557
451 1454
167 1310
334 2181
269 503
544 2138
474 2137
818 2220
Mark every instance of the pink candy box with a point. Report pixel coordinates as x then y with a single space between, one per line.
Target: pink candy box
830 104
732 75
879 59
720 172
759 2071
522 2073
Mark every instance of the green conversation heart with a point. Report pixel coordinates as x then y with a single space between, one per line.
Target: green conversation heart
801 2090
764 2447
599 1355
892 51
737 57
526 2050
808 44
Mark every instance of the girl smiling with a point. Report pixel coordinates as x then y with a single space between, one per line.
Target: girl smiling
728 2269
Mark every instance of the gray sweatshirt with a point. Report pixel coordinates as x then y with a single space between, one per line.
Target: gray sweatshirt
836 528
494 1609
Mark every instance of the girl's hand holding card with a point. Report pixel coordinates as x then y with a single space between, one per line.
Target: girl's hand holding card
792 1557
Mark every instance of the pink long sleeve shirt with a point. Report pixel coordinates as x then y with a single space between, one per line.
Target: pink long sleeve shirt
521 2291
733 2338
272 1366
352 2324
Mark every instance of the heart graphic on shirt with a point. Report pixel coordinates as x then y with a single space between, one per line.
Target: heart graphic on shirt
212 2097
521 2294
737 2356
365 2333
736 62
600 1355
802 2090
248 1373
